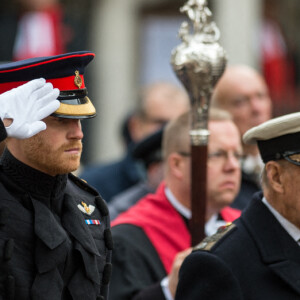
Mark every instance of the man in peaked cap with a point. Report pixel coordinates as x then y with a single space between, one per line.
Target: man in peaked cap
258 256
55 240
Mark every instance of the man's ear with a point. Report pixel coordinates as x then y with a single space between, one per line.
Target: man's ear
175 162
275 174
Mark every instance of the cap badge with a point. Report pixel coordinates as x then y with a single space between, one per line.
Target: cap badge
86 209
77 79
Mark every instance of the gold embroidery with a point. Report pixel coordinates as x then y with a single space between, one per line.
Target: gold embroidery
87 209
77 79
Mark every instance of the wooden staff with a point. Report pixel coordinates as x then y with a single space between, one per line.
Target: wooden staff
198 192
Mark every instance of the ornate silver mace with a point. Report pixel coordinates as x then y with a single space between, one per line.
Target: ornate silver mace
199 61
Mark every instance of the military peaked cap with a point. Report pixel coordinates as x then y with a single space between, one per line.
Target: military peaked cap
64 71
278 138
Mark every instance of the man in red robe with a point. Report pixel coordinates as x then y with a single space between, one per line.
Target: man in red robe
152 238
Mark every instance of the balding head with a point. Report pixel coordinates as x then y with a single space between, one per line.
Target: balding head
243 92
163 99
158 103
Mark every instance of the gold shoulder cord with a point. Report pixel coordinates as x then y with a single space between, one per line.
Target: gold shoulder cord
209 241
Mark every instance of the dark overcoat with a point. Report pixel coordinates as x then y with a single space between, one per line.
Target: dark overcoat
255 259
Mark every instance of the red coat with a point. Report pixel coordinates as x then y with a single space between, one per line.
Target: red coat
163 225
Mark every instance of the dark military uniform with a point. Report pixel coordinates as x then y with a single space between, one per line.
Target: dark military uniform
253 259
55 240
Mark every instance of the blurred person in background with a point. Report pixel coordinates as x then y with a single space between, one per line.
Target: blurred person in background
157 104
277 61
40 30
243 92
148 154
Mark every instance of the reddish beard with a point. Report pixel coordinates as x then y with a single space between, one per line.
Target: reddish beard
43 157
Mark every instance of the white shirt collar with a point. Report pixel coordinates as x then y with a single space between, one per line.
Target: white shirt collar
211 225
177 205
291 229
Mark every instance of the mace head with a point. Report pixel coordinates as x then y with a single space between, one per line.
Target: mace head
199 60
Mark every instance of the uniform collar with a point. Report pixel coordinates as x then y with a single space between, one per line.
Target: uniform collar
273 241
291 229
276 247
39 185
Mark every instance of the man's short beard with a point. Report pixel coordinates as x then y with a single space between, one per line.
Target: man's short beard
41 156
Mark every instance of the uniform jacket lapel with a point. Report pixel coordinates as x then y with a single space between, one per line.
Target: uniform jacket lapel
74 223
46 227
277 248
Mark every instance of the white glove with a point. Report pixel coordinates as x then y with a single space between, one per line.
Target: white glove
27 105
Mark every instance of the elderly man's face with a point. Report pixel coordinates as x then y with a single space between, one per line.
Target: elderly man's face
57 150
284 181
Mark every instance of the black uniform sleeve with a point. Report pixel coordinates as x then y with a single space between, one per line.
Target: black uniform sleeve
136 265
205 276
152 292
3 134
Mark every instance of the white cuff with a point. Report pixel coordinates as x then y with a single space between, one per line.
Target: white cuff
165 288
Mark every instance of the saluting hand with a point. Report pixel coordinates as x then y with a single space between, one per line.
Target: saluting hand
23 108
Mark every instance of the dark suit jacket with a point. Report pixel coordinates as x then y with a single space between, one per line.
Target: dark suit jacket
257 259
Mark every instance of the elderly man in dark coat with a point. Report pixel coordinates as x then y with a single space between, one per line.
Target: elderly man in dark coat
258 256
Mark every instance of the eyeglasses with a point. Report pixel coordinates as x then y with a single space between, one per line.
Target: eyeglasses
182 153
154 120
219 156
